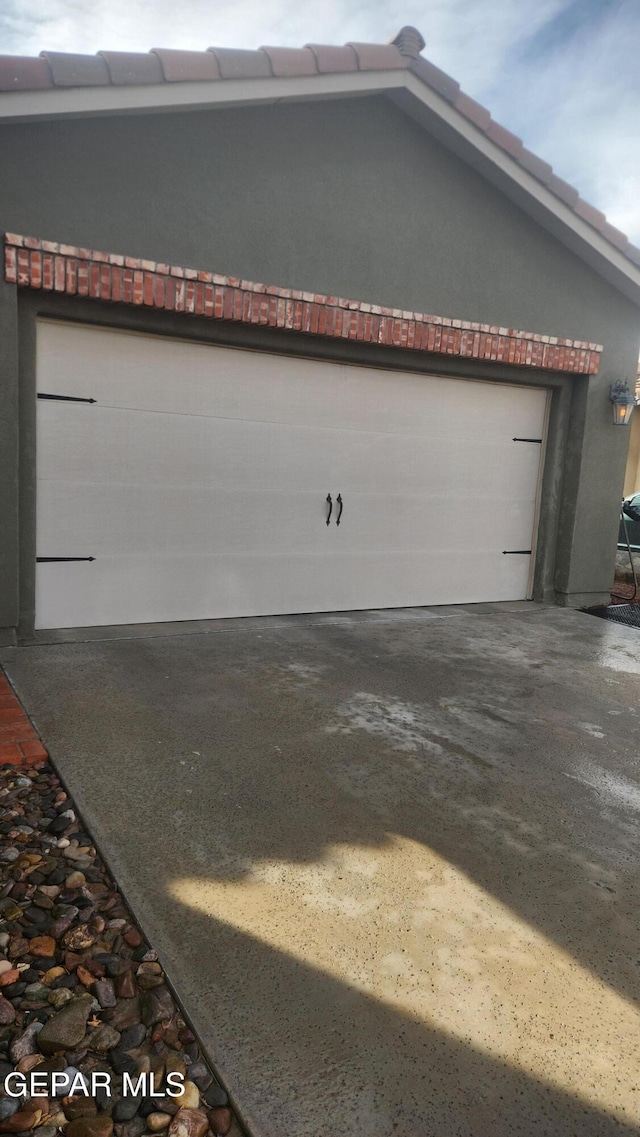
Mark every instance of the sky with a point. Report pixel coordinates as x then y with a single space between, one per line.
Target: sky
562 74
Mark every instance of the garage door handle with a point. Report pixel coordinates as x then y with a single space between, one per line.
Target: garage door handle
330 504
339 501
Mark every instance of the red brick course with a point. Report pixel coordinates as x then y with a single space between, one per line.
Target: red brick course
31 263
19 741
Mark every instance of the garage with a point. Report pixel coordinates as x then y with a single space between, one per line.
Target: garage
182 481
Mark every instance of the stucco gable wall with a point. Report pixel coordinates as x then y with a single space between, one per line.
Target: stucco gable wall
346 197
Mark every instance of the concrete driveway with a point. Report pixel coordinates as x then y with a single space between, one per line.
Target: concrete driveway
390 860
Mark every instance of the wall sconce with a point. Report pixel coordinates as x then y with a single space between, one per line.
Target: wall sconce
623 402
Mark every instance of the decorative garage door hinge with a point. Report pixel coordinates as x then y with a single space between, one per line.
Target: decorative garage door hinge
48 560
65 398
526 440
516 552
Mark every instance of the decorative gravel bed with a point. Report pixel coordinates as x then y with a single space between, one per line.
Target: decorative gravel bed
81 993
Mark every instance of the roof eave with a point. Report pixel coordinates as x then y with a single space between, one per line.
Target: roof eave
84 102
407 90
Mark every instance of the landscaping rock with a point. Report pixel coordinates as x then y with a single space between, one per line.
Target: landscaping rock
78 939
42 946
220 1121
7 1012
104 992
127 1107
156 1122
100 1126
25 1043
126 1013
105 1038
79 984
190 1097
21 1121
125 985
133 1036
215 1096
75 880
156 1005
149 975
189 1123
67 1028
60 997
133 1128
80 1106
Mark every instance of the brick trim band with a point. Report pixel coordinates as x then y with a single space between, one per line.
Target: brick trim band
47 265
20 743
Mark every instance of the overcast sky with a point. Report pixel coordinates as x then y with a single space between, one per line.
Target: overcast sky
562 74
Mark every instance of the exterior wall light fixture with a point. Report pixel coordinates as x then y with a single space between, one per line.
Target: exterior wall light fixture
623 402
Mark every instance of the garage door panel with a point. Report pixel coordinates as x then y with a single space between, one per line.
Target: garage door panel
164 375
450 577
136 447
142 589
147 588
446 467
382 522
98 519
93 519
147 447
198 481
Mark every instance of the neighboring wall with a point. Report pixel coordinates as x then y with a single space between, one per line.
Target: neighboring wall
632 473
349 198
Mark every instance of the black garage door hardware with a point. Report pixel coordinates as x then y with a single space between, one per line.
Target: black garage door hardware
65 398
339 501
49 560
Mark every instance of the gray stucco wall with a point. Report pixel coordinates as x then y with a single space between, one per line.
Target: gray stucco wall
353 198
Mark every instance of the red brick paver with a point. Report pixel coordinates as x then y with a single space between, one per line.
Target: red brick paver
20 744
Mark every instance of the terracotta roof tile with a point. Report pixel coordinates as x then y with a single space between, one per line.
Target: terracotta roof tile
187 66
378 56
472 110
434 77
563 190
589 213
24 73
616 236
334 59
505 139
132 68
65 69
69 70
235 63
291 61
536 166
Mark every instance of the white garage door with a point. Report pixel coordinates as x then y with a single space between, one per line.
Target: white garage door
193 482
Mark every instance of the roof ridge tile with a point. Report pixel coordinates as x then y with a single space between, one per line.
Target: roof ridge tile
71 70
378 56
291 61
187 66
332 59
132 68
240 63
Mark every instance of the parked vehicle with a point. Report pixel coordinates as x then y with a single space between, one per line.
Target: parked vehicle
631 514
